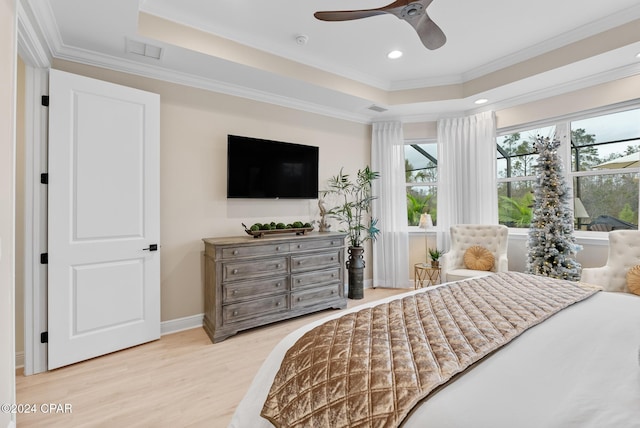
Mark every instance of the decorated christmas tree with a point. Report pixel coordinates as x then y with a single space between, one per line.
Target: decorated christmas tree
551 242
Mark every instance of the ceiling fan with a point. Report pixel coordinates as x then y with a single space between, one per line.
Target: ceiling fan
414 12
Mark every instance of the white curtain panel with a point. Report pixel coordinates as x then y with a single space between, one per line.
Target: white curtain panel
467 185
391 249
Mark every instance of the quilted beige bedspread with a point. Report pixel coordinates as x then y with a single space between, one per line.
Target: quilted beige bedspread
370 368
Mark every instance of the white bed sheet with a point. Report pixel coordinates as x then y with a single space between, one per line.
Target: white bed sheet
580 368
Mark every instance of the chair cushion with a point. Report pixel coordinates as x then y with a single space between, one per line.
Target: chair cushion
478 258
633 279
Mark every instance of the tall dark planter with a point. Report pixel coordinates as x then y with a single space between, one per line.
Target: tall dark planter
355 266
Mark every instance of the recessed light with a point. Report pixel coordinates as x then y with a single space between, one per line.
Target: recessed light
481 101
638 55
394 54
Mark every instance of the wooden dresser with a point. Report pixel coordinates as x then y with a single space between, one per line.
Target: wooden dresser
255 281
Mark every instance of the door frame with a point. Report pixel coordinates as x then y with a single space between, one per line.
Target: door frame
37 59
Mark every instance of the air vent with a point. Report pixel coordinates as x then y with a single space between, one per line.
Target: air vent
377 108
143 49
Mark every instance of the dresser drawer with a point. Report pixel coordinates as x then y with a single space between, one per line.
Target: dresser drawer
315 296
303 245
235 291
232 271
313 279
313 261
255 250
254 308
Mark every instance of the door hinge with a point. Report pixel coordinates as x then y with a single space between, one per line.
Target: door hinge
44 178
44 337
45 100
44 258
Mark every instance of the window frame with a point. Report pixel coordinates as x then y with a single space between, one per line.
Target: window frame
409 184
563 129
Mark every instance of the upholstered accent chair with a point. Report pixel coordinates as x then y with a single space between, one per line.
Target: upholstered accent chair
493 237
624 253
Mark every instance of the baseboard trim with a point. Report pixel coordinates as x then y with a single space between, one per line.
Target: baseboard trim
181 324
19 360
166 327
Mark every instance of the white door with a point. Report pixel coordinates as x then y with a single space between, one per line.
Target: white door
104 220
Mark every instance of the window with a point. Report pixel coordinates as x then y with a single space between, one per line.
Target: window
421 170
516 158
605 161
603 169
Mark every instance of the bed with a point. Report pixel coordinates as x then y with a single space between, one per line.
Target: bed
579 367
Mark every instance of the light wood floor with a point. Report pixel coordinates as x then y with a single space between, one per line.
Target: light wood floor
181 380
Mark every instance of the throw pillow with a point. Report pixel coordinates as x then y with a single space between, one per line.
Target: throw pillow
478 258
633 279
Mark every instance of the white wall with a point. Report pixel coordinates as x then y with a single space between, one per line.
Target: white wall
194 128
8 54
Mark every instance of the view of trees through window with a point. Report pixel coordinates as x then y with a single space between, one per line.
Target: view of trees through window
604 169
421 172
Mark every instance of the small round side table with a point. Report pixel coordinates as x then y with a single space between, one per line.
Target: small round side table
424 275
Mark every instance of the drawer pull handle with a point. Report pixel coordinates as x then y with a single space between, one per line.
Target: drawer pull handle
299 281
299 245
332 243
235 313
333 291
299 262
277 303
299 299
234 271
333 258
278 266
235 252
234 292
278 284
333 275
277 248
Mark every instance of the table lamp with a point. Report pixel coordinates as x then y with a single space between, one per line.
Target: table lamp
426 223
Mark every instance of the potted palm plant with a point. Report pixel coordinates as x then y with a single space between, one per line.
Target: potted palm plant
353 212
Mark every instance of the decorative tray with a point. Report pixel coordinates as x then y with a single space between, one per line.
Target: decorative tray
261 233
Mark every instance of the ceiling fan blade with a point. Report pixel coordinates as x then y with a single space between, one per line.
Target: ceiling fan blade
430 34
347 15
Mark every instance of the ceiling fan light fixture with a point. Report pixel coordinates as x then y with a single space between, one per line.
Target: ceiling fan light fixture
411 10
394 54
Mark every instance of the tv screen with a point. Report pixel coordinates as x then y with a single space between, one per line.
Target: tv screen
259 168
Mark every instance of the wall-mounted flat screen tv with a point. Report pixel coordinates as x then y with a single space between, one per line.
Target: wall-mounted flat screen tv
268 169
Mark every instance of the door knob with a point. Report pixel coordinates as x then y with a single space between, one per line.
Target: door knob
152 247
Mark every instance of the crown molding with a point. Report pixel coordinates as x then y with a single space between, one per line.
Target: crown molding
30 44
548 92
45 20
155 72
